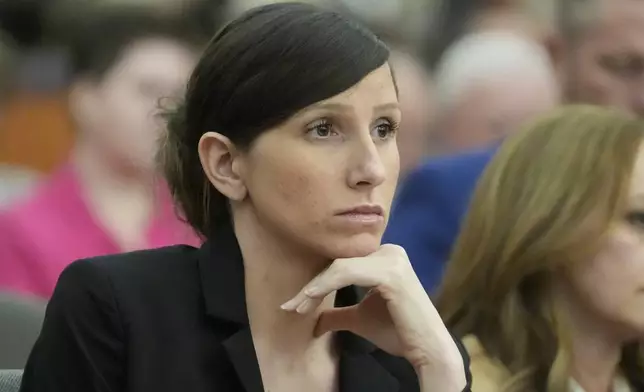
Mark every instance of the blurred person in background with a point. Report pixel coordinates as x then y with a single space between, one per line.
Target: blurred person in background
545 282
488 84
512 15
607 65
38 130
107 199
456 18
23 20
235 8
599 57
15 181
418 109
205 15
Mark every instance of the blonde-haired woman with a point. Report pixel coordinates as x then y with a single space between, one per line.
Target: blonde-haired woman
546 282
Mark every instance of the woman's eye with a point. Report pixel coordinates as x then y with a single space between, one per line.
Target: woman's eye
623 65
321 129
385 129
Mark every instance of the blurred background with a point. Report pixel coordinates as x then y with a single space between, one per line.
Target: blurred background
39 41
80 81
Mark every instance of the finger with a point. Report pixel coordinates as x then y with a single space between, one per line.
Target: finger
337 319
299 300
293 304
308 305
343 273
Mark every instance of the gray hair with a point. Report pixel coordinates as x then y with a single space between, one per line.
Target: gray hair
486 57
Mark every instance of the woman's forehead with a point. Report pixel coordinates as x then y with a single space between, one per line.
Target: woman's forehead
377 89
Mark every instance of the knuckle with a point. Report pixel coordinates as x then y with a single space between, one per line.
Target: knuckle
398 256
399 264
337 268
399 270
394 250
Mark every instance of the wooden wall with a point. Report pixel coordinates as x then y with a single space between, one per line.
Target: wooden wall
36 131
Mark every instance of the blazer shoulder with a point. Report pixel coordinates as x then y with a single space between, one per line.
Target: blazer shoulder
98 306
167 259
135 273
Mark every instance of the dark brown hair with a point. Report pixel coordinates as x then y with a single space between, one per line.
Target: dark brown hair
258 71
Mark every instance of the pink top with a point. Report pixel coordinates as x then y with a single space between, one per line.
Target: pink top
42 235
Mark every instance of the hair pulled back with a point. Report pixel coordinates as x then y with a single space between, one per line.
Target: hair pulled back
258 71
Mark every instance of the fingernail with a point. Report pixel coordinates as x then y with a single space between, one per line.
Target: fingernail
304 306
289 305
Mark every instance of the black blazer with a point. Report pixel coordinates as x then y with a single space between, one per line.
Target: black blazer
173 319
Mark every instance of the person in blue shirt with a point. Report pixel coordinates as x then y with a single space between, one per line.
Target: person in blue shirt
434 197
478 108
428 210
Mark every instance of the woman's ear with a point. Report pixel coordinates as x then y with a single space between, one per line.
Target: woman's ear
83 103
219 158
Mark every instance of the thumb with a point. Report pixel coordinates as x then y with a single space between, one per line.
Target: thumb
338 319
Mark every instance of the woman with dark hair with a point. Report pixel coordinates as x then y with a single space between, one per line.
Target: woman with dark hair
284 158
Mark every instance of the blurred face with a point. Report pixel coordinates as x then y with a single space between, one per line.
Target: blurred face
493 110
610 59
611 286
324 180
118 115
417 108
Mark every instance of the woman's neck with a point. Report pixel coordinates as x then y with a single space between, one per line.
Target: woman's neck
596 350
122 203
594 363
274 273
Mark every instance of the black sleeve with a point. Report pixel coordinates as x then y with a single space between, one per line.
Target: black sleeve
81 344
466 364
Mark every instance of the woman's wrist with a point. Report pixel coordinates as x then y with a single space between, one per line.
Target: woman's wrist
443 376
444 373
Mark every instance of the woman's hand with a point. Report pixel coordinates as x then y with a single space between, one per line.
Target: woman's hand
396 315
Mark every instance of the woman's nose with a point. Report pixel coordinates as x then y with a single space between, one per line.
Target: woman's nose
367 168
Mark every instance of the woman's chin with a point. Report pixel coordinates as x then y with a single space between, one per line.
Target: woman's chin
359 245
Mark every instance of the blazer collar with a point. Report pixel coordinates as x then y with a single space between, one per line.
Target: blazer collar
222 278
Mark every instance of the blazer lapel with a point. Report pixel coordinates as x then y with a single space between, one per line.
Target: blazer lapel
241 352
222 274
